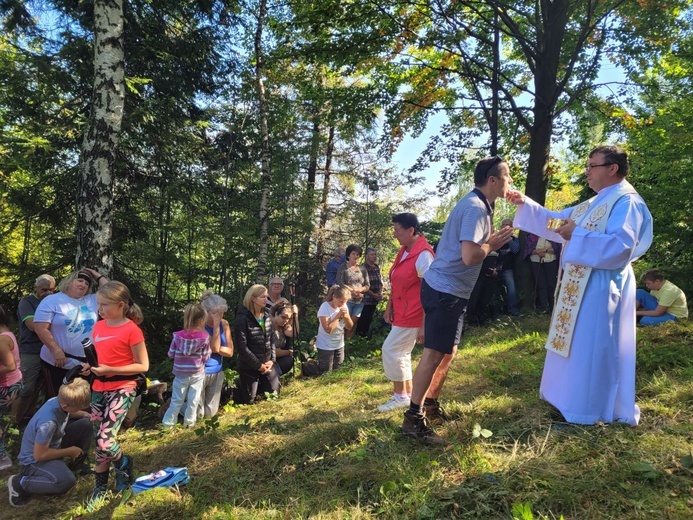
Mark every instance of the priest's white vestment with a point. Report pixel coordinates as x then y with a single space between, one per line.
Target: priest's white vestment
596 382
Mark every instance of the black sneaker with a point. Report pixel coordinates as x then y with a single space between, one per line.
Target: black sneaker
435 413
123 473
418 428
18 497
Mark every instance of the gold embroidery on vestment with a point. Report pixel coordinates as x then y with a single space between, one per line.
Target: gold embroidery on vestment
598 213
575 277
580 210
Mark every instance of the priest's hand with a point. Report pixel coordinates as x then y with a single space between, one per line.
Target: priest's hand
566 230
515 197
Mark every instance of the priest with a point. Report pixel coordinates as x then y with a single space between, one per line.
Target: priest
589 373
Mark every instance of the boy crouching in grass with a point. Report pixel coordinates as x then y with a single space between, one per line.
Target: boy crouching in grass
48 439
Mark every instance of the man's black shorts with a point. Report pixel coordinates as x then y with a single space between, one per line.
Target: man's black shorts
444 318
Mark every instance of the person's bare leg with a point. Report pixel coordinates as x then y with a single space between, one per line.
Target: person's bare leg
440 375
408 386
423 376
399 387
21 405
415 423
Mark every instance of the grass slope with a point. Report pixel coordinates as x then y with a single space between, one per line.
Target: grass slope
322 451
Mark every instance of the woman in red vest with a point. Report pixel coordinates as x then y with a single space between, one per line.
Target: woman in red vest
404 309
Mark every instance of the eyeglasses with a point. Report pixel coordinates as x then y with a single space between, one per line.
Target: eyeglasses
592 166
496 159
277 284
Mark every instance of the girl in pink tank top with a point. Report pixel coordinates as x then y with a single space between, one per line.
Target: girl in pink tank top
10 380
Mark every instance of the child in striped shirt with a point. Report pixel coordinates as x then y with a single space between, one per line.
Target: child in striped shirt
190 350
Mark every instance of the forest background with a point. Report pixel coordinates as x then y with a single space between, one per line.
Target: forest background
180 145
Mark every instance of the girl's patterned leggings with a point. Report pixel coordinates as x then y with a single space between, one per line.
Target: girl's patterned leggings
108 410
7 396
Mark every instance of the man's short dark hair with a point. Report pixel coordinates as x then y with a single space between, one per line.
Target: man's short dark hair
614 155
652 275
407 220
354 247
487 167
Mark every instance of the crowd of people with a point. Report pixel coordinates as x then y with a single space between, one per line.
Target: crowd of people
87 350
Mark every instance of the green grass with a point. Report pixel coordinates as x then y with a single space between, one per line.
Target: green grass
322 451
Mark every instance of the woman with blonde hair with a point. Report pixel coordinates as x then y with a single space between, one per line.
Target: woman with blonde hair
256 356
62 321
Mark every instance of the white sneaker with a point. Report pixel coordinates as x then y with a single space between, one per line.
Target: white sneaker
394 403
5 462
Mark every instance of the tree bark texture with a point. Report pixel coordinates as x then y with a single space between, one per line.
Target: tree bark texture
308 209
265 148
548 89
100 144
324 200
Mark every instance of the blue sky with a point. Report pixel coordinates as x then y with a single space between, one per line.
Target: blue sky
410 148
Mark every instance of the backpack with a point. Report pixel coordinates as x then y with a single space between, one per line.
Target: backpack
166 477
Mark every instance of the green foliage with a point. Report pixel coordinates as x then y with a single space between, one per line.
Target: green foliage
187 184
208 425
661 151
664 348
548 59
523 511
187 179
479 431
646 470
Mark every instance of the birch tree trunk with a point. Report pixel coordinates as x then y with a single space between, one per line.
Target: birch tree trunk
95 195
265 151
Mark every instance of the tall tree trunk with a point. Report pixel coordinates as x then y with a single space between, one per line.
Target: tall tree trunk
555 17
539 153
265 151
554 22
164 223
313 162
226 231
99 148
26 246
304 261
324 206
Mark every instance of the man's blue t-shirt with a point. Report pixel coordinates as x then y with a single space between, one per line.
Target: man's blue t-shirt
331 270
470 220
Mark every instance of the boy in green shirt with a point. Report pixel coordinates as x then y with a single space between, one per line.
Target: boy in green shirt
665 302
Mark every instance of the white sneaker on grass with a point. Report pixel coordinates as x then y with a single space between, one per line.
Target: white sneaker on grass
394 403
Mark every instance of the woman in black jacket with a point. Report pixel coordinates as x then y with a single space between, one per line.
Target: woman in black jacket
256 356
